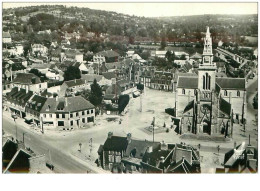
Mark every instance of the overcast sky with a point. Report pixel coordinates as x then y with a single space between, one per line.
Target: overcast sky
160 9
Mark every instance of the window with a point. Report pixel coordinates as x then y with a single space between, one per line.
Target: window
88 112
63 115
92 110
238 93
77 114
83 112
83 120
44 115
71 123
183 91
60 123
57 115
50 115
225 93
71 115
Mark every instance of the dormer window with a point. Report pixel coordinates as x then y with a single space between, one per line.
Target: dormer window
225 93
238 93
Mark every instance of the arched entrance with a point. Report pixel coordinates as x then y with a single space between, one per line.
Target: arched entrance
206 127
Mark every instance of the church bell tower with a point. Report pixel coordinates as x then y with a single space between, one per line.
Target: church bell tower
207 69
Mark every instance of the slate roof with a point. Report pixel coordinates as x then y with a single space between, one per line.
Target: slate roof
231 83
115 143
183 74
224 106
140 146
26 78
36 103
182 166
76 82
19 97
187 82
72 104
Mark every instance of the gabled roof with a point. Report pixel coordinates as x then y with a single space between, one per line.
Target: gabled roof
232 83
36 103
180 167
115 143
188 82
183 74
26 78
139 147
68 104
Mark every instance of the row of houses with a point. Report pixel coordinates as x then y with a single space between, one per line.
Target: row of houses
128 155
62 113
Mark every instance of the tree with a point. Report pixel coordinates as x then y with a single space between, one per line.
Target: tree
140 87
163 43
95 96
39 74
72 73
122 102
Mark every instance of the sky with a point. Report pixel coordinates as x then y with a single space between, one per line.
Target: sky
159 9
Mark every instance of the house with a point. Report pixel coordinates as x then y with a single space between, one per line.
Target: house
72 86
162 80
18 159
196 57
221 67
6 37
242 159
33 109
66 113
130 53
30 81
82 67
106 56
39 48
181 55
17 99
73 55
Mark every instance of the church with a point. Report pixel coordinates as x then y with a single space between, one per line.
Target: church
206 104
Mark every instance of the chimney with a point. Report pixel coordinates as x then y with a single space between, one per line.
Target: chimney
27 89
164 146
66 101
56 98
149 149
129 137
162 159
109 135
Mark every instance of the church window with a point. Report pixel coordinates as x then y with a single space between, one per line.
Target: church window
183 91
238 93
225 93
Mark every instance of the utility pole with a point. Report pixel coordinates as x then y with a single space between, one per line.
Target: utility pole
90 147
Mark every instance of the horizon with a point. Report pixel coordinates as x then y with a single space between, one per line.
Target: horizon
152 10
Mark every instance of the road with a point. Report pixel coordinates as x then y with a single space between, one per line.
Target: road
40 144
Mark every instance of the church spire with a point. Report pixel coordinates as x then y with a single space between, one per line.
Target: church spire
207 44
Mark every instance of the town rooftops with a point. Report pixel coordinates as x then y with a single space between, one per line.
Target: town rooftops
68 104
231 83
183 74
38 46
26 78
188 82
36 103
109 75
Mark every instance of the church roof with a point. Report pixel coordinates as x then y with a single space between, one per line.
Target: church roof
232 83
188 82
189 106
224 106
